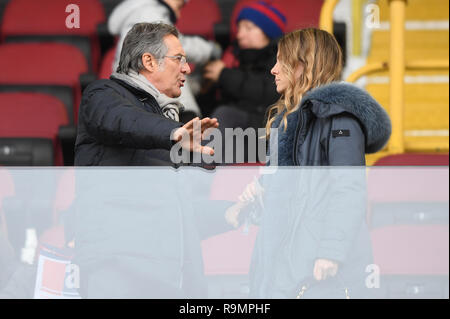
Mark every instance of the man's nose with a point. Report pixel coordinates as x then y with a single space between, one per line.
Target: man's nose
186 69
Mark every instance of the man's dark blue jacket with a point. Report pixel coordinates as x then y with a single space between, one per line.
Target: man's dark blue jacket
120 125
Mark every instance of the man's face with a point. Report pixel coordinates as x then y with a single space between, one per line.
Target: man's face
170 75
176 6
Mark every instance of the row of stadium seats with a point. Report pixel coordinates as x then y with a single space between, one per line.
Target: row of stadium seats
408 224
45 66
42 56
23 21
63 61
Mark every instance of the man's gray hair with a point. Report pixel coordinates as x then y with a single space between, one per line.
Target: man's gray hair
144 38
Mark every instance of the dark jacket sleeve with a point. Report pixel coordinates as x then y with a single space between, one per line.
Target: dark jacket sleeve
113 120
210 218
347 190
252 86
346 150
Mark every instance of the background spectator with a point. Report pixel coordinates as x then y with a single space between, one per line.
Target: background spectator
245 84
243 78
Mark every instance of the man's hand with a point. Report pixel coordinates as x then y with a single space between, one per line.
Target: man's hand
251 192
195 129
213 69
324 268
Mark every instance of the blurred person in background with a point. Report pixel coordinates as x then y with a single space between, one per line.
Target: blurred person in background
246 85
198 50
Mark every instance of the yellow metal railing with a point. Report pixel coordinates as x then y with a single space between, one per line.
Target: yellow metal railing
397 67
372 68
397 74
326 15
384 66
357 26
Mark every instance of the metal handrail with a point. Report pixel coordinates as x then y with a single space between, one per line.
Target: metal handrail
428 65
367 70
326 15
409 66
372 68
397 66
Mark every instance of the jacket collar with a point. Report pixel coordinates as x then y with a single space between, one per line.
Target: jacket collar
140 94
336 98
286 137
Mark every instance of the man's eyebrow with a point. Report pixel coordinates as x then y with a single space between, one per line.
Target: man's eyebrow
180 53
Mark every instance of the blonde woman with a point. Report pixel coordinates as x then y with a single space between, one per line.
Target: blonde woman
320 122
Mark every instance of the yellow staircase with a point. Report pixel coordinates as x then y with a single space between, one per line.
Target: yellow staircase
426 111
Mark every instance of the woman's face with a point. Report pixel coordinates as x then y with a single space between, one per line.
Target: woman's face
281 78
250 36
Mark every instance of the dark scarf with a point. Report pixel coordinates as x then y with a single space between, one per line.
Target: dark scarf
256 57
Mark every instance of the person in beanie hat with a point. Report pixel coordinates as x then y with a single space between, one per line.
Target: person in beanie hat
243 75
266 17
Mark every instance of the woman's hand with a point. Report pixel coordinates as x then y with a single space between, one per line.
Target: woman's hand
251 192
324 268
213 69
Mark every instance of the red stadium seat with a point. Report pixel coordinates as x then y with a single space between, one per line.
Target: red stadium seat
45 20
107 64
408 194
227 256
408 217
392 191
412 249
198 17
300 14
413 260
413 160
52 68
30 116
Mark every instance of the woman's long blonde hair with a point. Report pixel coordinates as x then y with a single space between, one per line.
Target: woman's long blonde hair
319 54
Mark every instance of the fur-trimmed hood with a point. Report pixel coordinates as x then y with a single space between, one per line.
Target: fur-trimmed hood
336 98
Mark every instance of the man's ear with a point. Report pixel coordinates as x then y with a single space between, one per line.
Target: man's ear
149 62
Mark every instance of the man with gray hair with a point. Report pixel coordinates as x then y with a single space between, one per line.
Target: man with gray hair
129 119
200 51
